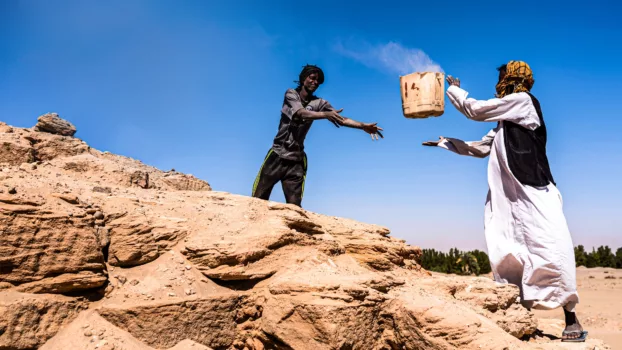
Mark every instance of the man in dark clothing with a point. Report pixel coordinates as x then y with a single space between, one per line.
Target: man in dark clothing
286 161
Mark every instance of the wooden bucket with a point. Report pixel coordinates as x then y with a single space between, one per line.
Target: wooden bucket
423 95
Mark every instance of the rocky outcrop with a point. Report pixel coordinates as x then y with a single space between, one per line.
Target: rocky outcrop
89 331
496 302
45 249
47 147
27 321
184 182
210 321
136 241
53 124
162 262
15 150
65 283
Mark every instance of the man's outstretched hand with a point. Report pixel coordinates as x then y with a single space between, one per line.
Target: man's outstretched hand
335 117
434 143
453 81
373 129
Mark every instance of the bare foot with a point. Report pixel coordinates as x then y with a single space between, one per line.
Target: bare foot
573 327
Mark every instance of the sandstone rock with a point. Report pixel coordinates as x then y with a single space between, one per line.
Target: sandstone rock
383 256
404 323
48 146
136 240
15 150
122 279
21 200
37 244
28 166
69 198
209 321
87 323
64 283
156 280
495 301
183 182
99 189
79 166
240 253
103 237
140 179
53 124
189 345
4 128
190 267
238 273
27 320
422 321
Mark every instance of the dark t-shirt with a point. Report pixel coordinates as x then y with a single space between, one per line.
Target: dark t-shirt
289 140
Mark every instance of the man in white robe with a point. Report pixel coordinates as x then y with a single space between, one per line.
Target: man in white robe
528 240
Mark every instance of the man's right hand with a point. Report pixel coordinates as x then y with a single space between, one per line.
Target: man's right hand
334 117
434 143
453 81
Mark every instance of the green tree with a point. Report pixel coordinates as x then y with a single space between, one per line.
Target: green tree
477 262
607 259
593 259
468 264
455 261
482 261
580 256
434 261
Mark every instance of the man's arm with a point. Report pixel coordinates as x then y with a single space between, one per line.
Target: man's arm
333 116
477 149
516 108
293 109
371 128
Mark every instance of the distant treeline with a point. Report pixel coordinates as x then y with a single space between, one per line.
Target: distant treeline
601 257
476 262
456 261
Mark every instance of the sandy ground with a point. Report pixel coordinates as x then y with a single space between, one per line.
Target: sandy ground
600 308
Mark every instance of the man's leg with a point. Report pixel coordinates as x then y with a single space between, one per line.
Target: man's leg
574 330
269 174
294 182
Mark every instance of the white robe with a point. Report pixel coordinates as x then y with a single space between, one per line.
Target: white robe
528 240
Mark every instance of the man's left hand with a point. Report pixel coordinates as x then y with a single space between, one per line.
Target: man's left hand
434 143
373 129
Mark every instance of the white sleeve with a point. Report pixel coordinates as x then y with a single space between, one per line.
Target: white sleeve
517 108
478 149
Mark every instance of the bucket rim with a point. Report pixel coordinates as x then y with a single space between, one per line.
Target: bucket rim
422 73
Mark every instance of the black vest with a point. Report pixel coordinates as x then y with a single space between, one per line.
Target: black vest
526 151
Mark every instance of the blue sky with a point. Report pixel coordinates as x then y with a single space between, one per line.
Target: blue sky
198 85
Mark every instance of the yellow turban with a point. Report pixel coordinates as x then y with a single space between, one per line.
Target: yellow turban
519 75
